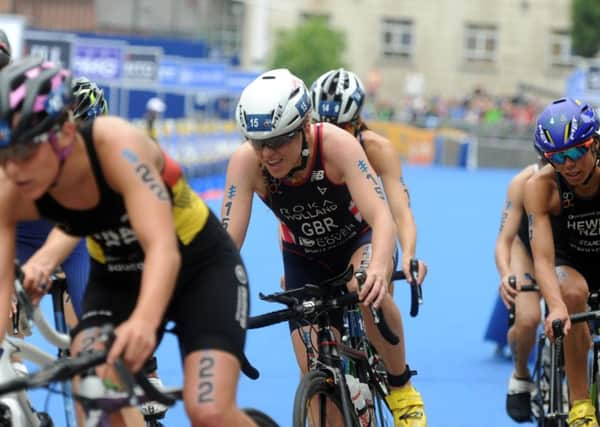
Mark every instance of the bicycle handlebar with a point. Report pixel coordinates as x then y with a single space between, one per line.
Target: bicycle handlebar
311 299
66 369
300 310
378 316
416 291
585 316
34 314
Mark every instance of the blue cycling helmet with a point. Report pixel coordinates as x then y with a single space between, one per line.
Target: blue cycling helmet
564 123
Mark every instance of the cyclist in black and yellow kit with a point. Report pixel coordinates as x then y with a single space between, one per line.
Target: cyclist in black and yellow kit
157 252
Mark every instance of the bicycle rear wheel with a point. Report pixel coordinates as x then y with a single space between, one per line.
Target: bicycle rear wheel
317 400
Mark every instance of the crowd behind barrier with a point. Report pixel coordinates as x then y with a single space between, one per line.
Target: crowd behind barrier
479 130
203 148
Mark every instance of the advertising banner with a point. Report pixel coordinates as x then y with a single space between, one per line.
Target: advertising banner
57 51
192 75
140 65
99 62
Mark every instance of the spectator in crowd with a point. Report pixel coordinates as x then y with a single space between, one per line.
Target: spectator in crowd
154 108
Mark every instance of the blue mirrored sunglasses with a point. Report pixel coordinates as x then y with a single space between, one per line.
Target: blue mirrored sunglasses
573 153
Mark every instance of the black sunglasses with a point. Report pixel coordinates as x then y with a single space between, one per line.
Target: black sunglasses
273 143
23 150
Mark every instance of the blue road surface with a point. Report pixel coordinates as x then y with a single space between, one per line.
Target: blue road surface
462 382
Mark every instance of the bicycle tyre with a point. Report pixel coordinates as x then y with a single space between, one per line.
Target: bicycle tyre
313 384
260 418
594 379
381 416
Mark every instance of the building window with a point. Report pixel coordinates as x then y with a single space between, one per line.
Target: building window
398 38
481 42
314 16
560 48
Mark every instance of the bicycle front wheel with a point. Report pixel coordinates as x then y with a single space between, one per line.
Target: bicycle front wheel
260 418
317 401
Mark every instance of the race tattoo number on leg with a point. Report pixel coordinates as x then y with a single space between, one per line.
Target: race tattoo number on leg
561 274
364 168
205 376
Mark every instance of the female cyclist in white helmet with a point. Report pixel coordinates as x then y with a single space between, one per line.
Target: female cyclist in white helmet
319 183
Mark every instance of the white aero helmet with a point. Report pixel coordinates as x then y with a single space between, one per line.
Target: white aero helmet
337 97
274 104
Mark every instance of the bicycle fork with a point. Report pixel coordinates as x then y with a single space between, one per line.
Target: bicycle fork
328 356
557 374
57 293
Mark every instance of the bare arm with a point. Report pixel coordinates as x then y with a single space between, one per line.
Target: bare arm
130 166
346 155
512 214
7 271
12 209
387 164
38 268
538 203
239 191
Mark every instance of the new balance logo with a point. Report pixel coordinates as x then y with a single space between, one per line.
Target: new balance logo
317 175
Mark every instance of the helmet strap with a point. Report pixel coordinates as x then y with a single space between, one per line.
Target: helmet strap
304 153
62 153
591 174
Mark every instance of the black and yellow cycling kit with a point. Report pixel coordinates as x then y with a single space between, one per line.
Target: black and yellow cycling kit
210 301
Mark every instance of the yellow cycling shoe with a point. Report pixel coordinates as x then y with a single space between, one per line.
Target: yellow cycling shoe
407 406
582 414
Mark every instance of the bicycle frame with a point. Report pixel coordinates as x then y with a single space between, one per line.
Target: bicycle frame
57 291
556 411
21 413
329 360
311 305
18 403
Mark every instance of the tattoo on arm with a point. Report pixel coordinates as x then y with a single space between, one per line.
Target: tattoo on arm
530 221
505 214
405 189
364 168
143 171
230 195
206 387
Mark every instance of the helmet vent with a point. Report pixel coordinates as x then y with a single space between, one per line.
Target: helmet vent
296 117
294 93
348 105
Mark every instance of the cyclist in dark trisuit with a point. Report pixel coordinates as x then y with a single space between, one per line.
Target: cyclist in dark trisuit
318 182
338 97
157 252
567 270
513 258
